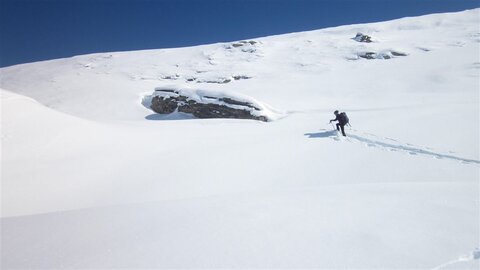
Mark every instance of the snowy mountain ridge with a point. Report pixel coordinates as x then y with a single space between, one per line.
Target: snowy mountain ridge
93 178
307 54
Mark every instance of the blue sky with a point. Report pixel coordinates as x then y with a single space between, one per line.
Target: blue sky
34 30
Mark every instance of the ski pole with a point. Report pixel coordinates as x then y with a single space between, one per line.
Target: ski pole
332 126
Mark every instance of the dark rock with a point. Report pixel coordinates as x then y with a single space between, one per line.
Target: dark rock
242 43
172 100
171 77
241 77
249 50
394 53
385 56
165 90
424 49
163 104
236 102
220 81
368 55
363 38
210 110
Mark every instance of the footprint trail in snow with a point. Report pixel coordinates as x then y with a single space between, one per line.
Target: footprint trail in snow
474 255
389 144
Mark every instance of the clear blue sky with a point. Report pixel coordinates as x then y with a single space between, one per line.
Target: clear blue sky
33 30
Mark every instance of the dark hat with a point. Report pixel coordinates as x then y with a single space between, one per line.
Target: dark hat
335 112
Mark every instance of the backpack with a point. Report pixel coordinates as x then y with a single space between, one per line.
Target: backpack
344 117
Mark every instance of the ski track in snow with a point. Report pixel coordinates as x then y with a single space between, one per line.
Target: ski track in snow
395 146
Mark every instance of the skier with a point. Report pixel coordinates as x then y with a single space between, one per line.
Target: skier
342 121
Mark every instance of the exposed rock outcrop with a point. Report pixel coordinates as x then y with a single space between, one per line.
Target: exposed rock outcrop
206 77
363 38
395 53
248 46
243 43
205 104
380 55
368 55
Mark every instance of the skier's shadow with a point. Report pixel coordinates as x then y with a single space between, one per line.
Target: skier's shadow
323 134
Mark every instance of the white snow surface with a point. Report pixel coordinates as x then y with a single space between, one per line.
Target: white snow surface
92 178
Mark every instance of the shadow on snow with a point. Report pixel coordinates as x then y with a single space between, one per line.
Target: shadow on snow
170 116
325 134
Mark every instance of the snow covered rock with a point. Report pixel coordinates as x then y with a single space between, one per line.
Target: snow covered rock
208 104
395 53
244 45
368 55
380 55
363 38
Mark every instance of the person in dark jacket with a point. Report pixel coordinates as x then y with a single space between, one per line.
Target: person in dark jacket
342 121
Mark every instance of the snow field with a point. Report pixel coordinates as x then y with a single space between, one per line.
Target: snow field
91 178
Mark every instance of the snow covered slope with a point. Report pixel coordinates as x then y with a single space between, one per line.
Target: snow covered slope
92 178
